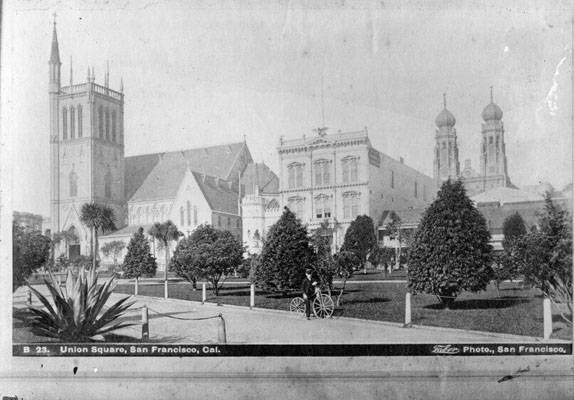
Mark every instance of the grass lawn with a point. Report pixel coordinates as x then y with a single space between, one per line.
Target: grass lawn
517 311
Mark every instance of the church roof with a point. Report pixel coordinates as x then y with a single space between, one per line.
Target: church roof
504 195
218 194
259 174
149 174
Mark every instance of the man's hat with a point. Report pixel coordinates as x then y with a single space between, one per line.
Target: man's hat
308 270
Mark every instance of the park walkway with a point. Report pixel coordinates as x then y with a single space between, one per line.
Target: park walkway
182 321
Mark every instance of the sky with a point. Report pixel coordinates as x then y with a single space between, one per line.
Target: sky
200 73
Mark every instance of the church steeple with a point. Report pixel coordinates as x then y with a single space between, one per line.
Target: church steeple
446 164
55 53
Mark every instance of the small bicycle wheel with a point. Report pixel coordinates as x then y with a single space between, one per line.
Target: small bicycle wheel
297 305
323 306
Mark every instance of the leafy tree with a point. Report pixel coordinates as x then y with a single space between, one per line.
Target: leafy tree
513 227
505 265
165 233
208 253
30 250
285 254
138 261
345 263
360 238
545 255
114 248
382 256
325 267
451 250
97 217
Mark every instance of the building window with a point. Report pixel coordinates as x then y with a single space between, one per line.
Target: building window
322 173
107 124
114 118
189 213
181 216
416 190
392 179
351 205
350 169
65 123
72 123
108 185
295 172
101 122
73 184
79 120
194 215
121 127
490 140
323 206
219 220
424 192
237 223
229 222
296 205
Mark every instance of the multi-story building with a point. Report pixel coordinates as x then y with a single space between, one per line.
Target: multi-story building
334 178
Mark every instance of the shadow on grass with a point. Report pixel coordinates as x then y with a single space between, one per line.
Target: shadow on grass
363 301
481 304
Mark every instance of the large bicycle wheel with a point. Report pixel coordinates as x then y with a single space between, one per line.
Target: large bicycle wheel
297 305
323 306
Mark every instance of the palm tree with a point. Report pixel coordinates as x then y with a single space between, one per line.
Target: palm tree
165 232
97 217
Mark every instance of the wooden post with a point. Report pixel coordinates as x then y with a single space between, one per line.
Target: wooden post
145 324
203 293
547 307
29 297
252 297
408 309
165 294
221 331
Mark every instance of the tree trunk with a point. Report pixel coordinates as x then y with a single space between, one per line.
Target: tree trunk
92 246
165 291
446 301
136 286
341 292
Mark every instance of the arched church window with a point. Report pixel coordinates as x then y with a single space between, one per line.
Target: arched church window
73 181
101 122
107 124
188 213
114 118
181 212
65 123
194 215
79 120
108 185
72 122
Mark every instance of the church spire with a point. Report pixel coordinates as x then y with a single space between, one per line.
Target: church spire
107 77
121 85
71 72
491 94
444 100
55 53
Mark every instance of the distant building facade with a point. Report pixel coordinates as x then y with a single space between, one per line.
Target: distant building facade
334 178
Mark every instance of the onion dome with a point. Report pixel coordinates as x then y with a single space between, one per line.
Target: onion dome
445 117
492 112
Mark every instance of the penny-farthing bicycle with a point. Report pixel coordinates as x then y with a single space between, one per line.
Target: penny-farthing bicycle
322 305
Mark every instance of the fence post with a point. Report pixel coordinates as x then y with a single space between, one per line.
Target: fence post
547 307
252 297
221 331
408 309
165 293
145 324
203 293
29 297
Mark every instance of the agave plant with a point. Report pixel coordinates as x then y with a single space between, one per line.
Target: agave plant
78 313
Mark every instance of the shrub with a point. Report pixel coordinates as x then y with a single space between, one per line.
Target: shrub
77 312
451 250
285 254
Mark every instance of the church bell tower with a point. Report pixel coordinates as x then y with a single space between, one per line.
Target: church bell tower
87 149
446 164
